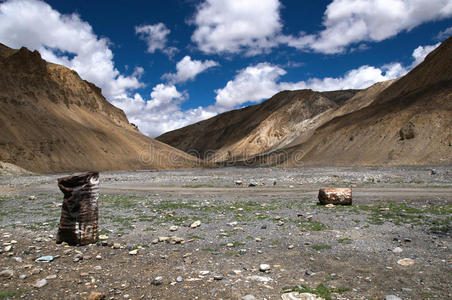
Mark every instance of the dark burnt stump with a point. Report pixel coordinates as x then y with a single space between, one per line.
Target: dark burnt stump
80 213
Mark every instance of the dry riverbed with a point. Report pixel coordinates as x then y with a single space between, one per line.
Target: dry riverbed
394 240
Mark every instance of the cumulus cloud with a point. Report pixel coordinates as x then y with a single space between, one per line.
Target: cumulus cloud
66 40
446 33
351 21
162 112
155 37
188 69
234 26
421 52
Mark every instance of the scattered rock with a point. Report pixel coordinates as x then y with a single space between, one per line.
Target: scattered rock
157 280
204 273
173 228
248 297
405 262
238 182
392 297
98 257
32 198
103 237
195 224
258 239
96 296
308 272
98 268
242 251
51 277
229 245
163 238
179 279
407 132
397 250
300 296
133 252
23 276
259 278
116 245
40 283
331 205
291 247
218 277
7 273
264 267
8 248
252 184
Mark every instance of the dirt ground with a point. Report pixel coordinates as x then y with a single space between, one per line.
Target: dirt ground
343 252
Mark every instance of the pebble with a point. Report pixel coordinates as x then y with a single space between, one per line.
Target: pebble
204 273
23 276
195 224
18 259
173 228
229 245
116 245
157 280
32 198
308 272
258 240
96 296
7 273
98 268
298 296
51 277
249 297
291 247
40 283
405 262
397 250
264 267
98 257
133 252
218 277
103 237
8 248
163 238
392 297
179 279
242 251
155 241
330 205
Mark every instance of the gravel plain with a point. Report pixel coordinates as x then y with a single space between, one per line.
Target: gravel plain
395 239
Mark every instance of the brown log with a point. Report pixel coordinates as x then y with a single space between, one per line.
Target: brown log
337 196
80 213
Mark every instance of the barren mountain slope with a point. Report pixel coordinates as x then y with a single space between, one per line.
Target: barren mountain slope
255 129
409 123
53 121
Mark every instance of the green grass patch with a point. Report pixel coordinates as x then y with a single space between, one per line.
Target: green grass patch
320 247
344 240
320 290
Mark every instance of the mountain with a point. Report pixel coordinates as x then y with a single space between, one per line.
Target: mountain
407 121
238 134
53 121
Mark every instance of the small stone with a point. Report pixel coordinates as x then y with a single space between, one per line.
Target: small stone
280 223
300 296
163 238
179 279
331 205
51 277
18 259
308 272
7 273
405 262
277 218
98 257
238 182
204 273
397 250
96 296
252 184
116 245
264 267
195 224
98 268
155 241
242 251
264 227
173 228
157 280
126 296
133 252
258 239
32 198
392 297
249 297
229 245
23 276
40 283
13 242
103 237
407 240
291 247
8 248
218 277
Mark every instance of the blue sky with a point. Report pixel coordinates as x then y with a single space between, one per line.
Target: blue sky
171 63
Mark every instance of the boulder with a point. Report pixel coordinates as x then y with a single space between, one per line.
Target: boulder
336 196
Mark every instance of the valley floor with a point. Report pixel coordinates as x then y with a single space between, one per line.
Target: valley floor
343 252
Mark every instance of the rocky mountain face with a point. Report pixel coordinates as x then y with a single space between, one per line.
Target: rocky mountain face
407 121
53 121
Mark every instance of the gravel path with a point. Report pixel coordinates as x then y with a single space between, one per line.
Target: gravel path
152 252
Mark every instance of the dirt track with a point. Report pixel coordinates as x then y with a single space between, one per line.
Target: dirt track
340 252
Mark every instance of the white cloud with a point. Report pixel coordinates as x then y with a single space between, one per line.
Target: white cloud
188 69
63 39
351 21
421 52
446 33
234 26
155 37
162 112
